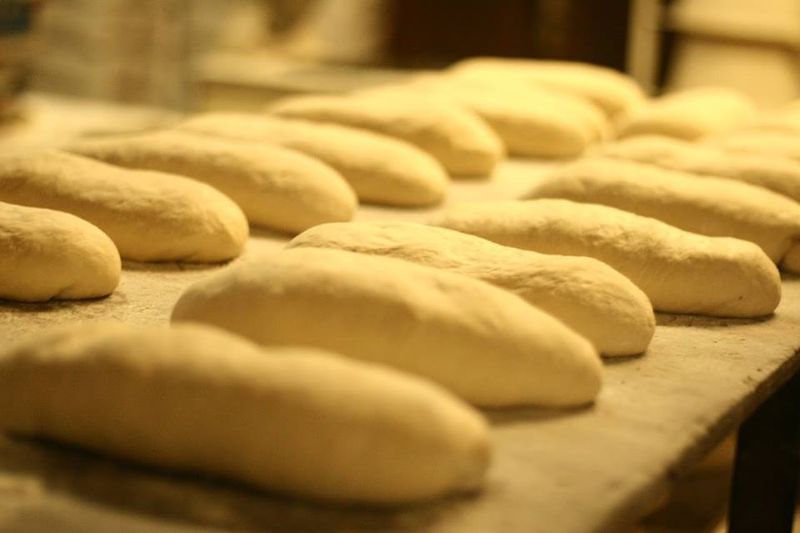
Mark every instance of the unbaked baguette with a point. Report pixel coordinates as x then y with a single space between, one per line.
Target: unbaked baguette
705 205
587 295
196 399
380 169
616 93
276 187
690 114
456 137
531 121
680 272
778 174
150 216
483 343
48 254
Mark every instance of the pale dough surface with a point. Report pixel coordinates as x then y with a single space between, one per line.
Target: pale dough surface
586 294
48 254
780 121
530 121
690 114
485 344
616 93
700 204
380 169
778 174
150 216
456 137
680 272
773 143
276 187
198 399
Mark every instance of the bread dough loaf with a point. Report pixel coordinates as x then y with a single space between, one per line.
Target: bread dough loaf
193 398
782 121
463 143
47 254
771 143
380 169
616 93
691 114
775 173
276 187
680 272
531 121
705 205
150 216
589 296
483 343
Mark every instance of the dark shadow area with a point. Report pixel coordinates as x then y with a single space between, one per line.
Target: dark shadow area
56 305
169 266
266 233
699 321
515 415
623 359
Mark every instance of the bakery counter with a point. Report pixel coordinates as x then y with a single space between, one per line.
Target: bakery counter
593 469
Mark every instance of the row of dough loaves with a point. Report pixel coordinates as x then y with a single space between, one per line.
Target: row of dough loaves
470 115
66 221
296 420
309 161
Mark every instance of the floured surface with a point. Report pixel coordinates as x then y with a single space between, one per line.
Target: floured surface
584 470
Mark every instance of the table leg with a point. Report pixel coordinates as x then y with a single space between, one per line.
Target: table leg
767 465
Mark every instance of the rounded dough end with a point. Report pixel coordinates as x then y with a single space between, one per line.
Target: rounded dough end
46 254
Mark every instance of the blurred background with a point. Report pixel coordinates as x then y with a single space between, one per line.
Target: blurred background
200 54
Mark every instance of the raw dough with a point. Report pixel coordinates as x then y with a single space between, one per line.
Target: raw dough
705 205
691 114
772 143
463 143
680 272
616 93
587 295
48 254
483 343
198 399
150 216
775 173
276 187
776 122
531 121
380 169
